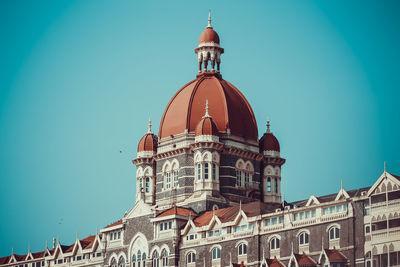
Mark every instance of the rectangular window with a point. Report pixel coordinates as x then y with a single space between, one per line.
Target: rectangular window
251 226
313 213
295 216
147 184
267 222
339 208
176 178
246 179
325 211
238 178
274 220
206 171
308 213
214 172
280 219
344 207
332 210
168 180
198 171
119 235
170 225
236 229
302 215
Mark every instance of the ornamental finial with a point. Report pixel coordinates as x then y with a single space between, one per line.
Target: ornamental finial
149 130
209 19
268 125
207 115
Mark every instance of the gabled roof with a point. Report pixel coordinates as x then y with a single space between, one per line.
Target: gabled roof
229 214
335 255
305 260
178 211
19 257
4 260
37 255
88 242
274 262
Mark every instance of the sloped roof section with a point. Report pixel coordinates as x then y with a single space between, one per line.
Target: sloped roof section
178 211
335 255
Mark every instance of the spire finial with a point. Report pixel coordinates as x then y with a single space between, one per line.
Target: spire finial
46 245
12 251
149 130
341 184
207 115
268 125
29 248
209 19
384 166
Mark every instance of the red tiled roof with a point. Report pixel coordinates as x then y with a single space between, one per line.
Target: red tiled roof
178 211
274 263
335 255
114 224
88 242
20 257
229 214
305 260
4 260
39 254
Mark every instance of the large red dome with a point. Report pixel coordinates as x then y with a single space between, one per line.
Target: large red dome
209 36
227 106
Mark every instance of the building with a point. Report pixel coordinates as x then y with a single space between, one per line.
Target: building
209 194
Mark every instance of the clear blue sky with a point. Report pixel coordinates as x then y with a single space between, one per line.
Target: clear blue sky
79 79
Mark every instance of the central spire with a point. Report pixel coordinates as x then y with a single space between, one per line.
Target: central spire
209 19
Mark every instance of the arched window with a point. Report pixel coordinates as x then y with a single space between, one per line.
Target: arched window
147 184
191 257
303 238
269 184
176 178
134 260
238 177
156 259
334 233
121 262
199 171
276 185
144 260
216 254
113 262
274 243
242 249
214 172
164 258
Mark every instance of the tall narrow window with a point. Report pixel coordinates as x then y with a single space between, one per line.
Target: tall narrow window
144 260
206 171
246 179
242 249
155 259
140 184
191 258
216 253
168 180
139 258
276 185
164 258
269 184
214 171
147 184
303 238
333 233
198 171
134 260
176 181
238 178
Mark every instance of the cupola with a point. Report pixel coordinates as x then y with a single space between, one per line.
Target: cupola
147 146
206 130
209 48
269 145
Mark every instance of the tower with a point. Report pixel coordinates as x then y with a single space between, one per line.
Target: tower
271 167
